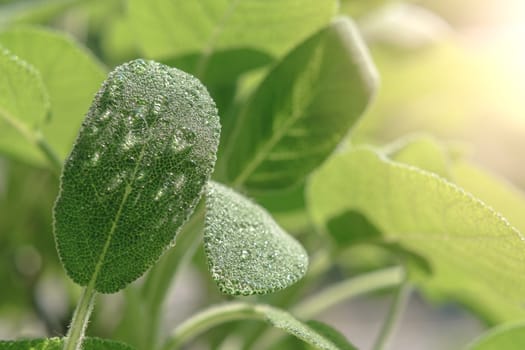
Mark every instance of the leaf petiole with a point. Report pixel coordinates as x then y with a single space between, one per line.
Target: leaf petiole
394 315
77 329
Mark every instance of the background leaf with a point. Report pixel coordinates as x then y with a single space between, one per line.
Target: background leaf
57 344
302 110
166 28
136 172
505 337
70 73
248 253
474 253
24 104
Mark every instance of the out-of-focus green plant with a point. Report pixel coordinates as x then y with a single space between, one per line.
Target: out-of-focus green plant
255 107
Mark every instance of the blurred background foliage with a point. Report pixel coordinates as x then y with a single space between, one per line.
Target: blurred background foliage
450 70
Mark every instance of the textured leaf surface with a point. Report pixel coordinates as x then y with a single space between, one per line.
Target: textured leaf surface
248 253
57 344
169 28
476 256
24 105
429 154
332 334
506 337
319 335
70 74
136 172
498 193
302 110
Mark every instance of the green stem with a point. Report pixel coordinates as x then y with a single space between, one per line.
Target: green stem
333 295
393 317
77 329
348 289
162 275
52 157
36 138
210 318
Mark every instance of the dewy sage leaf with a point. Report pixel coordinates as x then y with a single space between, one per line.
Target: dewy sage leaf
248 252
136 172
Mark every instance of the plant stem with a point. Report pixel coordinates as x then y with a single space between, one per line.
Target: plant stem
394 315
339 292
164 272
37 139
333 295
77 329
209 318
53 158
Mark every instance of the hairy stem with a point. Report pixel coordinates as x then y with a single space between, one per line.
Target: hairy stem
210 318
394 315
77 329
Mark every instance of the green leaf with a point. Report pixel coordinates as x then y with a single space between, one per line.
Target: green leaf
69 72
302 110
475 254
423 152
170 28
24 104
319 335
505 337
144 152
57 344
332 334
248 253
499 193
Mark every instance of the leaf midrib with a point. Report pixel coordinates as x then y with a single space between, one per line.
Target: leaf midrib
127 191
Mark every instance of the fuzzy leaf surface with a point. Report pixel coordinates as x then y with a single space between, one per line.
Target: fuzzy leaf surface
169 28
302 110
475 255
70 74
248 252
317 334
24 105
57 344
145 150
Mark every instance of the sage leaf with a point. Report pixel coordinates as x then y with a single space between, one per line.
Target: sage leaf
248 253
302 110
507 337
136 172
57 344
70 74
474 253
332 334
503 196
317 334
24 105
170 28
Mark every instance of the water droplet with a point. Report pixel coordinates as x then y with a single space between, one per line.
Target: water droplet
159 194
116 181
141 175
178 183
129 141
94 159
105 115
